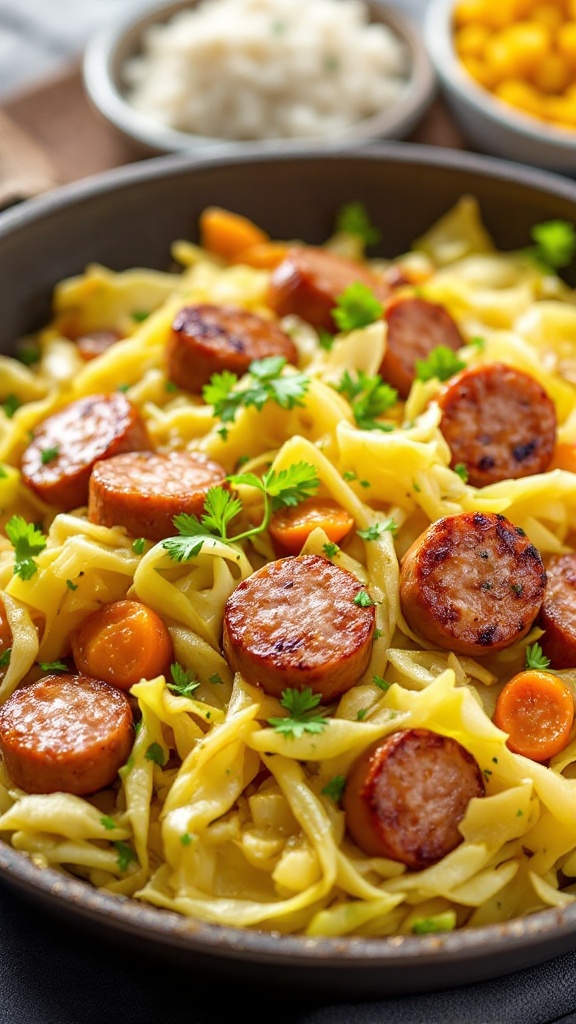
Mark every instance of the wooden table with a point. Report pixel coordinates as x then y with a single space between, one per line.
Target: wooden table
51 135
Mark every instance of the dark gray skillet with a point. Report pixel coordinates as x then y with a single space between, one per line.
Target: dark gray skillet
129 217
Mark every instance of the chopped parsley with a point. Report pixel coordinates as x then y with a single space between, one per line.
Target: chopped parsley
303 714
325 339
138 315
10 404
49 455
280 490
108 822
334 789
356 306
364 600
330 549
28 354
535 657
369 397
375 531
478 342
381 683
266 382
185 839
442 363
184 682
138 545
53 666
361 714
27 542
170 387
445 922
156 754
5 657
126 855
352 219
3 472
71 585
461 471
555 244
216 679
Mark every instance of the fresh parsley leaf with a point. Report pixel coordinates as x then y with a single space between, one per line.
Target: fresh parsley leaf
445 922
555 243
170 387
126 855
357 306
138 545
285 489
369 398
330 549
185 839
49 455
184 682
27 542
220 508
363 599
377 529
442 363
5 657
325 339
156 754
303 713
266 382
71 585
108 822
334 789
10 404
216 679
361 714
28 354
381 683
3 472
352 219
461 471
535 657
123 388
479 343
138 315
53 666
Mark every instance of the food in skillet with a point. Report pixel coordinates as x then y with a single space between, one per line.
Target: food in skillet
287 637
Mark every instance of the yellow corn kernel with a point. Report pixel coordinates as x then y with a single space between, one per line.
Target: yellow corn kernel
517 50
553 74
470 40
521 95
560 110
479 71
551 15
566 42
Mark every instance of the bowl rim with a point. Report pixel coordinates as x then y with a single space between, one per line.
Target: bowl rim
353 958
100 75
454 78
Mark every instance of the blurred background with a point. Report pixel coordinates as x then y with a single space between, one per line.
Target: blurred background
38 37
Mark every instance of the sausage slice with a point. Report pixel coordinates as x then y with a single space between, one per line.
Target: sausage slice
309 280
472 583
143 491
58 462
209 339
294 623
65 733
558 613
415 327
499 422
406 795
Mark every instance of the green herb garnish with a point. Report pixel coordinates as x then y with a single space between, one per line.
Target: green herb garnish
184 682
535 657
352 219
27 542
303 714
369 397
442 363
356 307
265 382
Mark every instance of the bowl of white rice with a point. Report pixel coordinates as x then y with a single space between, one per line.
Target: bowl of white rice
275 74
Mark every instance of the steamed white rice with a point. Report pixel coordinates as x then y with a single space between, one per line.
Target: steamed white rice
261 69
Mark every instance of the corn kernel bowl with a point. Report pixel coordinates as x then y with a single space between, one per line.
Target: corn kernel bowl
490 114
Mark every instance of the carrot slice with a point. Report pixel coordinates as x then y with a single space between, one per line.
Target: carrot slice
536 709
564 457
291 527
226 233
262 255
122 643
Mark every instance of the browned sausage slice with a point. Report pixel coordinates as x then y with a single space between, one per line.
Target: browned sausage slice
58 462
209 339
65 733
416 326
472 583
558 612
308 282
406 795
143 491
498 422
294 623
